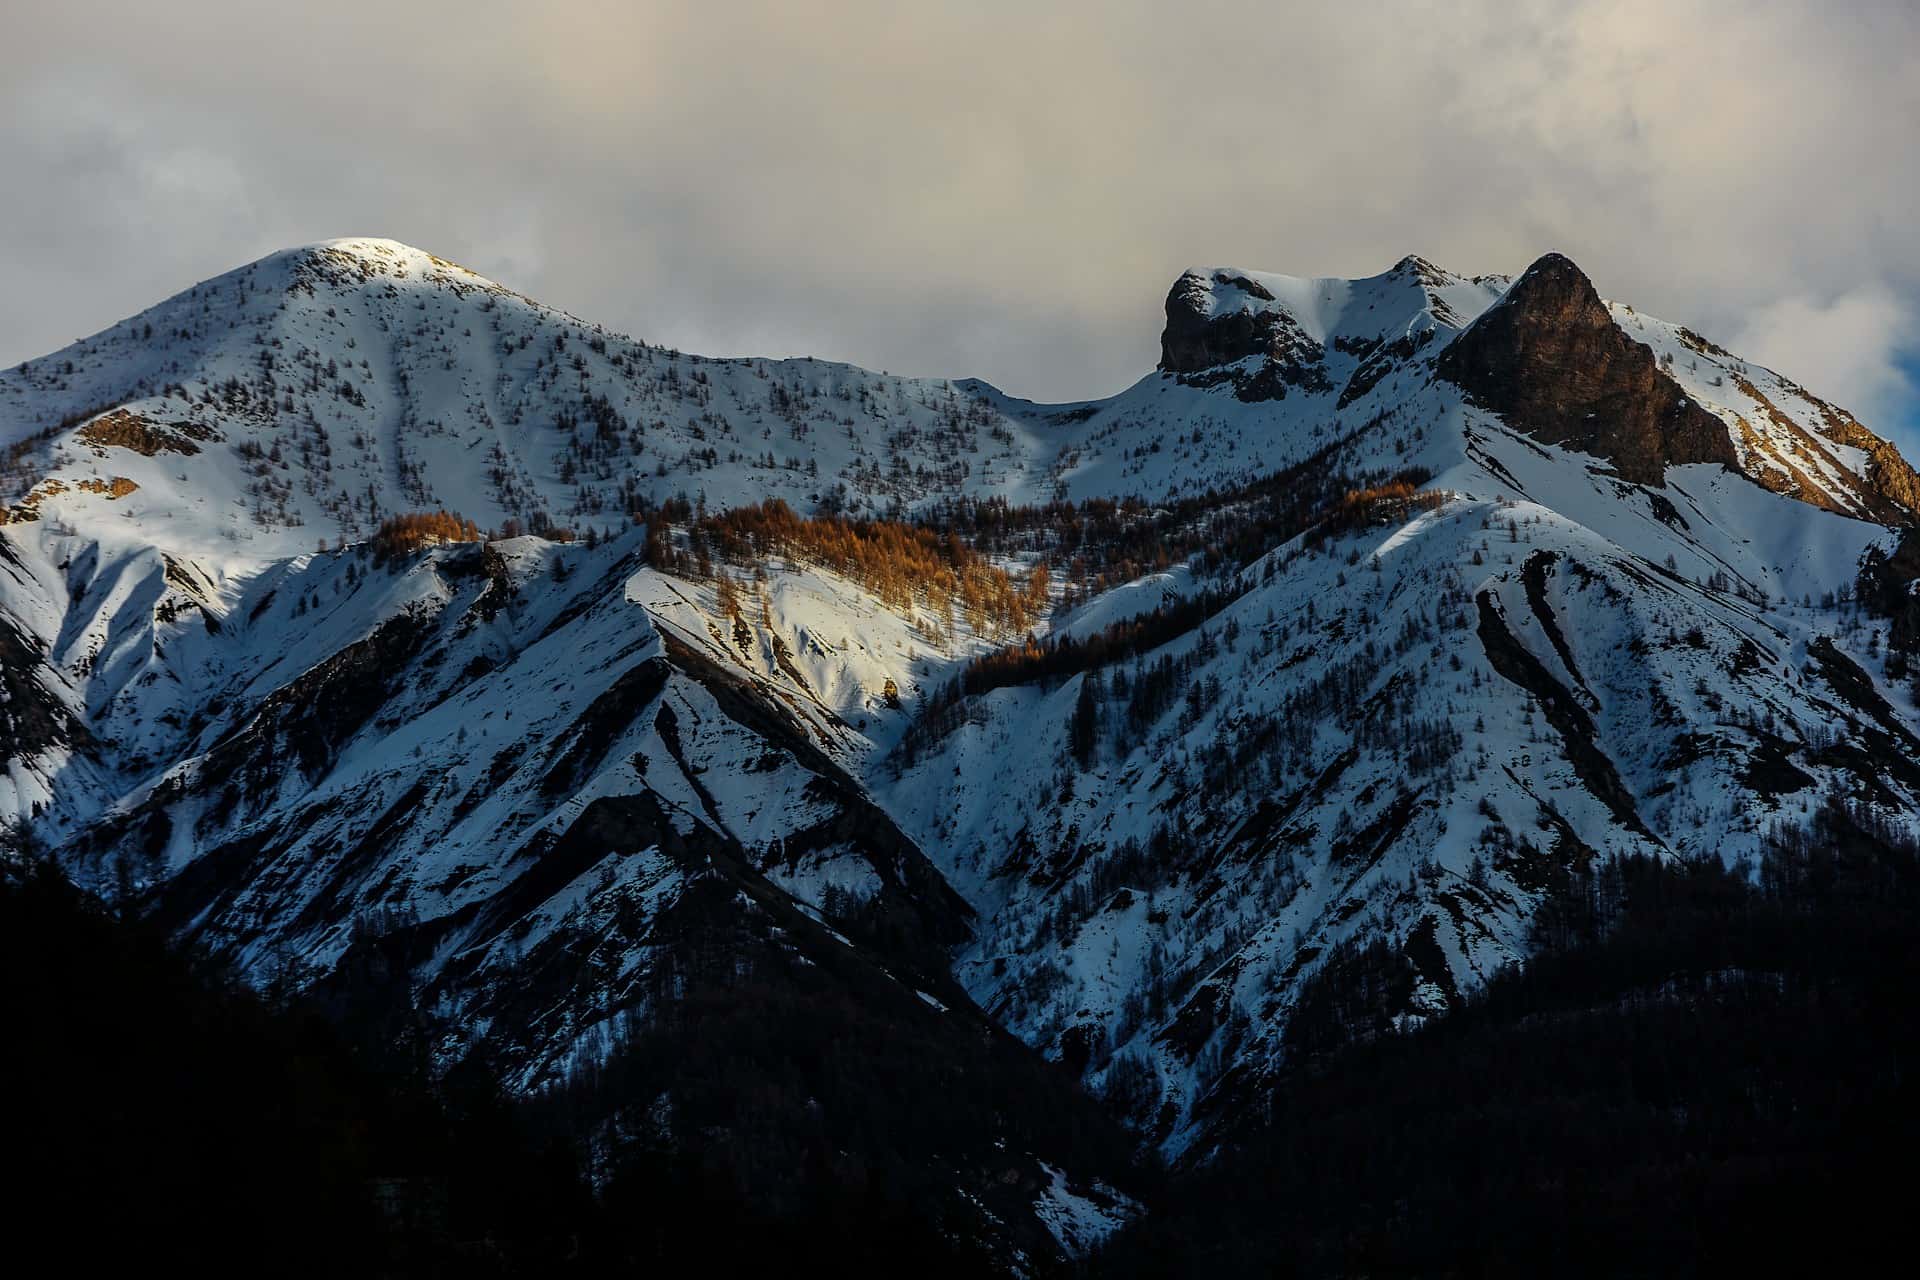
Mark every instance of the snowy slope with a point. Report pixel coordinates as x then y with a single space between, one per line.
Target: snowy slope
1347 758
308 394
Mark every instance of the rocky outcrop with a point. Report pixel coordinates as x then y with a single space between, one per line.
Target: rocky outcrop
1890 477
125 429
1200 341
33 719
1197 339
1564 712
1801 463
1549 359
1887 586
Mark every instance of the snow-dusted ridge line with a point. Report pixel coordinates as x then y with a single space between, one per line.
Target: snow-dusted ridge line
522 750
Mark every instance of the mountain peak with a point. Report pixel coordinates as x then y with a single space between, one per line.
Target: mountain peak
1549 358
1268 334
1559 266
1215 317
364 246
368 248
371 256
1425 270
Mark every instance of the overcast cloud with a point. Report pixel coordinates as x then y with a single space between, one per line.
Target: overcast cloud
981 188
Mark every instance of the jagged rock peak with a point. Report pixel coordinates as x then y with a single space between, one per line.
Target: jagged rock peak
1549 358
1427 272
1204 329
1222 315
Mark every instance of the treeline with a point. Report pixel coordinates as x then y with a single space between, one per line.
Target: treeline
1101 543
906 565
946 560
401 535
1141 691
1282 513
1700 1071
1058 657
1394 502
1138 692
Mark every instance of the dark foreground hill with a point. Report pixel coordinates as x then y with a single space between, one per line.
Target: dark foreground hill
186 1119
1696 1075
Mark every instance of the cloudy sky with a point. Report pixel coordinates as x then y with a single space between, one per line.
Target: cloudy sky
1002 190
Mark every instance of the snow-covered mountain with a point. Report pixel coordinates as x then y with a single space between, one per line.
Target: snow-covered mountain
1423 586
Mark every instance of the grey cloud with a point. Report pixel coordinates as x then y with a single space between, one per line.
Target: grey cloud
1838 343
992 189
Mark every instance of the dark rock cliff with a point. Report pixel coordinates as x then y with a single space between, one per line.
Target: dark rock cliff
1197 345
1194 340
1549 359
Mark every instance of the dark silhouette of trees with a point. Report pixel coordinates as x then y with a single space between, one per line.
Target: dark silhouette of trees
166 1114
1083 730
1700 1070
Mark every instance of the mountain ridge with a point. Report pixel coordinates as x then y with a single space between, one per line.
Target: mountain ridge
1341 634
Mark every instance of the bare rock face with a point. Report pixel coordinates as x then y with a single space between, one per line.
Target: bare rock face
32 718
1549 359
1198 344
1195 340
1890 586
1890 477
